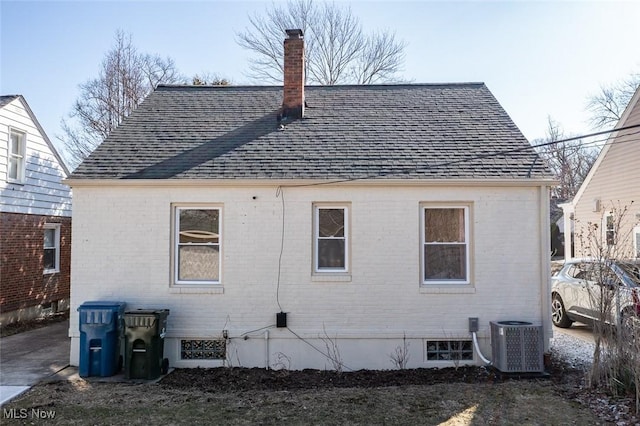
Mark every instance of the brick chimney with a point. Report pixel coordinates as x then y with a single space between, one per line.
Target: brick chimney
293 100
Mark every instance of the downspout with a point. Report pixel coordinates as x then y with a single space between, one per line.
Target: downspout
568 213
545 266
266 349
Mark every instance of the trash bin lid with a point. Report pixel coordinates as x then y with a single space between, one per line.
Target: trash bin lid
103 304
145 317
154 312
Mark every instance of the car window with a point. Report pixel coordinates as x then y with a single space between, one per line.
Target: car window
571 271
630 273
599 273
579 271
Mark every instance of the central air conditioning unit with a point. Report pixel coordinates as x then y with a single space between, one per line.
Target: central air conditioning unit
516 347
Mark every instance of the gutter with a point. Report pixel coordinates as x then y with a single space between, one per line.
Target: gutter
293 183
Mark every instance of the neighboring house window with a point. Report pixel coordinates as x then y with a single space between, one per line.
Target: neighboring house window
445 241
610 229
17 152
331 238
636 241
197 245
51 255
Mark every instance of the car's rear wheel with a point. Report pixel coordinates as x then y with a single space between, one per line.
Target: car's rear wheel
559 316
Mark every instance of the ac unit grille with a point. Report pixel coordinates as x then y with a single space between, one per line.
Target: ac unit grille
516 347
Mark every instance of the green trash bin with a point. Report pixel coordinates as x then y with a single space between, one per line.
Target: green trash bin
144 343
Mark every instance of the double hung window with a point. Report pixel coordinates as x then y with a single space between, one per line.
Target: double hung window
51 254
197 245
331 239
445 241
610 229
17 152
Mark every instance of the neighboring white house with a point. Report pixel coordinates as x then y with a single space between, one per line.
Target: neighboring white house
367 214
612 186
35 217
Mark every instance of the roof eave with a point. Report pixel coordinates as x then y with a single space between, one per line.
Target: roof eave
529 182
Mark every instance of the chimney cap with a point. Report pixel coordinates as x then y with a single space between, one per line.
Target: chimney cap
297 33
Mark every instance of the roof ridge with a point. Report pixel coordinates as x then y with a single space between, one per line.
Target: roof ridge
335 86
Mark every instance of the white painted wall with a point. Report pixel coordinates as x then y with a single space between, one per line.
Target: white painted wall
42 193
121 252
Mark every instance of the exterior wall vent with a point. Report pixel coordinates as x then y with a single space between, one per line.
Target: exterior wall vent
516 347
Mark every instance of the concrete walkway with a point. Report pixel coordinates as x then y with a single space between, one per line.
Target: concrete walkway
29 357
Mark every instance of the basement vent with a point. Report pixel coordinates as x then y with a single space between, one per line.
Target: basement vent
516 347
203 349
449 350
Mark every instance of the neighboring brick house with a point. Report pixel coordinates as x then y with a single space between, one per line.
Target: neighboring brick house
366 214
612 185
35 217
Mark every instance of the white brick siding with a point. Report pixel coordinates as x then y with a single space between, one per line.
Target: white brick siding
122 251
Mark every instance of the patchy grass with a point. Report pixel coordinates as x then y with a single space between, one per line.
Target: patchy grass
501 402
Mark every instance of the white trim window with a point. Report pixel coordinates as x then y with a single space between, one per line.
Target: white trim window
609 229
16 155
331 238
197 236
51 248
445 245
636 242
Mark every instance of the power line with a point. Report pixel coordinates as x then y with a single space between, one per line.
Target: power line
280 193
502 153
603 132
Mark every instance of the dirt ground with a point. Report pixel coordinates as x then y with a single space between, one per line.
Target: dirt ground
449 396
463 396
244 379
565 381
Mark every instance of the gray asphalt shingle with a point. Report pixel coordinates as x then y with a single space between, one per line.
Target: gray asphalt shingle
5 99
438 131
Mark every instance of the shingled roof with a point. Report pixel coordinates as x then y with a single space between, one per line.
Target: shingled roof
5 99
437 131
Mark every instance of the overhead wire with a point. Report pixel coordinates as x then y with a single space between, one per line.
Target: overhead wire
494 154
280 194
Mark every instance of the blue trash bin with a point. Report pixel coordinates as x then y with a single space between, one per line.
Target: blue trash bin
101 331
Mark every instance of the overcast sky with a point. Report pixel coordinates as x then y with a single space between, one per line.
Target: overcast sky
538 58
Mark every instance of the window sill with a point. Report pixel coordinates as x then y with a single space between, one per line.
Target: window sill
51 271
447 289
196 290
331 278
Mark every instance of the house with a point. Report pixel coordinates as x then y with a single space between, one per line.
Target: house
612 186
35 217
316 227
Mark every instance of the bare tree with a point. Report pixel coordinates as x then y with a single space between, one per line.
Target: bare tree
616 356
337 50
211 79
126 78
569 161
606 107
